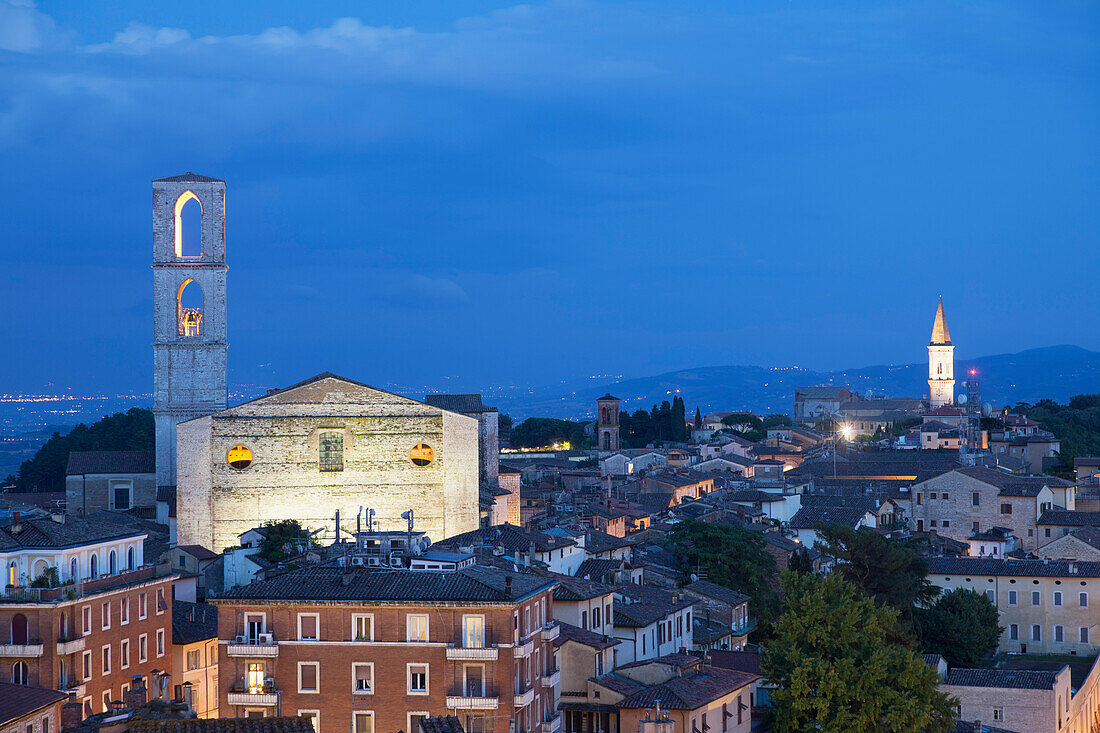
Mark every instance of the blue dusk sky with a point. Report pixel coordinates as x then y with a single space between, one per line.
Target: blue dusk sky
453 195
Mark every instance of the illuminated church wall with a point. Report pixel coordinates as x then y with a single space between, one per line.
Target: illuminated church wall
324 445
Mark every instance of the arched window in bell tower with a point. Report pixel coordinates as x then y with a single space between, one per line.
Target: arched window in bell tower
188 225
189 308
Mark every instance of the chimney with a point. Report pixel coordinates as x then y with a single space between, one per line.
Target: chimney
136 697
187 694
508 586
977 726
72 714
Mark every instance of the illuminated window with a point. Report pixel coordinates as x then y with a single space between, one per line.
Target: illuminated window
255 679
239 457
421 454
189 308
332 451
188 225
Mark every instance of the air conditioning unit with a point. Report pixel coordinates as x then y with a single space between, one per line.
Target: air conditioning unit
357 561
265 638
241 639
374 561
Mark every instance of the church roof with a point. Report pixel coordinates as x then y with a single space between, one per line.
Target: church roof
189 177
940 335
464 403
608 398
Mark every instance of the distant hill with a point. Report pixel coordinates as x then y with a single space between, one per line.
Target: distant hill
1057 372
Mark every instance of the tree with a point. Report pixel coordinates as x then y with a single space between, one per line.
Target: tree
1076 425
800 562
698 418
282 537
891 572
836 670
537 432
504 426
130 430
678 420
962 627
731 556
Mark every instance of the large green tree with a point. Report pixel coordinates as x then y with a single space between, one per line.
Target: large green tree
731 556
891 572
837 671
962 627
539 432
1076 424
130 430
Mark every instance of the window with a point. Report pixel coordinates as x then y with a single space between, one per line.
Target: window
1083 634
473 632
417 627
307 626
124 654
946 523
1035 598
332 451
414 720
421 455
45 725
1012 598
1047 531
596 618
362 679
1058 633
920 498
240 458
160 642
1006 508
1036 632
933 522
418 679
86 620
974 527
363 722
309 674
932 496
1014 632
20 674
105 615
161 605
143 605
999 714
106 701
314 717
943 496
584 619
121 493
124 611
105 656
193 658
1083 600
362 627
991 595
1057 598
143 647
976 499
473 680
255 678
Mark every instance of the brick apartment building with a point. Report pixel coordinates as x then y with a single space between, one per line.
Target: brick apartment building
108 617
376 650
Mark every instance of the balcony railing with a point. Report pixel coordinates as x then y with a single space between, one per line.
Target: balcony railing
472 653
70 646
551 678
460 698
71 591
524 697
258 699
551 723
550 631
28 650
72 686
260 645
524 649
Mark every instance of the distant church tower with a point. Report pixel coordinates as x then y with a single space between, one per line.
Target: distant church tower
189 302
941 362
607 423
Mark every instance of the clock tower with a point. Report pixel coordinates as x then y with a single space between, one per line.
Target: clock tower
941 362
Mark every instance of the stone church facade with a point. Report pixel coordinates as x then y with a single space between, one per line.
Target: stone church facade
324 445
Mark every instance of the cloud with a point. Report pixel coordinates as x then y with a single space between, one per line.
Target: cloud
138 38
23 28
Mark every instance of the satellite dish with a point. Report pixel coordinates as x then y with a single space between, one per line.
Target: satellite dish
694 578
962 399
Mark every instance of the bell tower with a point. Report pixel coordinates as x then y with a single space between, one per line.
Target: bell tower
189 308
607 423
941 362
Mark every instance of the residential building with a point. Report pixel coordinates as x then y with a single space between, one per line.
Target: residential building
195 655
25 709
1045 606
813 404
1019 700
116 480
106 615
364 650
585 604
581 654
1080 544
651 622
806 521
721 618
971 499
554 552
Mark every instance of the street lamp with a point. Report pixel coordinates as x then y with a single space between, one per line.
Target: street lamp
843 430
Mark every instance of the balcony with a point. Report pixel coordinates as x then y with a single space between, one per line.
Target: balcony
72 687
26 651
254 699
524 649
472 702
472 654
551 724
523 698
70 646
552 678
550 631
261 645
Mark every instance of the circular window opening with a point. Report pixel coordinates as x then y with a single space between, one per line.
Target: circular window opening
239 457
421 454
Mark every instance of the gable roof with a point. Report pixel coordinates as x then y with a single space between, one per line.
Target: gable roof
76 531
193 622
691 691
17 701
809 517
508 536
1011 484
569 632
463 403
188 177
1012 679
111 461
717 592
986 566
1070 518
